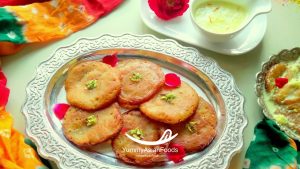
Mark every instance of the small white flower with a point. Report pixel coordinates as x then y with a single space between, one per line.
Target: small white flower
11 35
34 11
54 3
62 26
60 15
90 18
275 149
28 153
46 16
275 167
71 8
5 133
81 8
70 31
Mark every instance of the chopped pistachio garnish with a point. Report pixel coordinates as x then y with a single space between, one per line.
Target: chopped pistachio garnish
91 120
281 119
136 133
168 97
136 77
92 84
191 126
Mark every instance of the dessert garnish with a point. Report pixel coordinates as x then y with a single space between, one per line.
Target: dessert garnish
136 77
177 155
172 80
92 84
191 126
168 97
111 60
91 120
124 130
281 81
60 110
136 133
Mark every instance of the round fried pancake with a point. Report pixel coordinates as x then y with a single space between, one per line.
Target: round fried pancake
199 130
92 85
140 80
76 128
129 106
176 109
152 131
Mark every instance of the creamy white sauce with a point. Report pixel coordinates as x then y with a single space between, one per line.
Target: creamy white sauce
294 68
220 16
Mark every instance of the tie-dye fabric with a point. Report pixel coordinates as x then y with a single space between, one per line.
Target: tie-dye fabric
55 19
271 148
15 153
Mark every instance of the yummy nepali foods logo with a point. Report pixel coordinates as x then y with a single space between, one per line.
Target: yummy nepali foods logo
135 136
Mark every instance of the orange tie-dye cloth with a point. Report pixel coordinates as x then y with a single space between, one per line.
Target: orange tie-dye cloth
15 153
55 19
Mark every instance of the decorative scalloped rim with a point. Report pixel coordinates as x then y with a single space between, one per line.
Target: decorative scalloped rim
284 55
52 147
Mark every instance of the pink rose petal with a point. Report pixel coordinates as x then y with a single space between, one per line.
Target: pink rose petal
172 80
281 81
124 130
4 94
60 110
111 60
178 155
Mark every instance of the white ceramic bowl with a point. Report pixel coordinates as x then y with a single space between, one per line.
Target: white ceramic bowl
253 8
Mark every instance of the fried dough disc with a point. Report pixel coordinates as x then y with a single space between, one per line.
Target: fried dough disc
202 130
152 131
129 106
105 92
75 128
175 111
137 91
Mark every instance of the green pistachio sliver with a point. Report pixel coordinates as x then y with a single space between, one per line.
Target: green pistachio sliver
168 97
136 133
136 136
136 77
91 120
191 126
92 84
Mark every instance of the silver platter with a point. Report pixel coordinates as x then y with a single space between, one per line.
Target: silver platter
212 83
283 56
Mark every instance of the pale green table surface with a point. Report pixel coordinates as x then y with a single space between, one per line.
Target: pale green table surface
283 32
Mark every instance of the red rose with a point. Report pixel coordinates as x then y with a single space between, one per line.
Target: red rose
168 9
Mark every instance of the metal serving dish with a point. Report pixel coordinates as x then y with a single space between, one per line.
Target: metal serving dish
284 55
210 81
